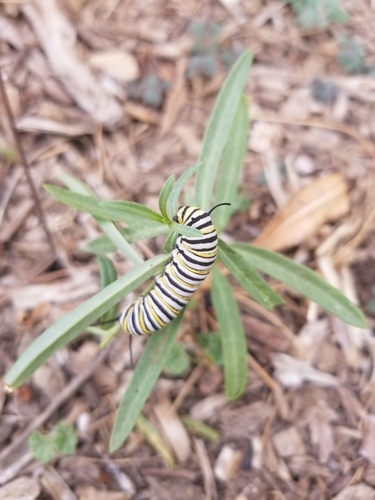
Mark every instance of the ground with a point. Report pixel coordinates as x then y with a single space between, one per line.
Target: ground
118 94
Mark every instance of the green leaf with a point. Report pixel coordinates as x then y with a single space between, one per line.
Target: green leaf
113 233
218 129
247 277
190 232
42 447
178 360
145 375
164 195
130 207
73 323
154 439
136 232
108 275
170 242
231 166
232 335
172 204
201 429
119 241
65 438
211 344
89 204
303 280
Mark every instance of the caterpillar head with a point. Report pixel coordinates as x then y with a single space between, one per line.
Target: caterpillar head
185 214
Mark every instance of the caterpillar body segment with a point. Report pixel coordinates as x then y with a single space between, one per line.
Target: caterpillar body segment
192 260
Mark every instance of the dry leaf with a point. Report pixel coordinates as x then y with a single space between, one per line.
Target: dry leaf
325 199
116 63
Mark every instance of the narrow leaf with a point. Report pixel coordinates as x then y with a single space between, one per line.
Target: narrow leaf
190 232
164 195
119 241
177 188
170 242
90 205
201 429
303 280
112 232
218 129
130 207
232 336
136 232
247 277
108 275
231 166
145 375
153 437
73 323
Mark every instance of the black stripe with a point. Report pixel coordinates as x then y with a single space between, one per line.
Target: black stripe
186 275
171 297
191 215
161 307
202 226
204 264
177 285
150 317
197 219
134 323
201 241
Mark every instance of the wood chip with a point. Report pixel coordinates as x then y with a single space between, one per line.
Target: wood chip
46 126
228 463
119 64
91 493
57 37
54 484
357 492
23 488
288 443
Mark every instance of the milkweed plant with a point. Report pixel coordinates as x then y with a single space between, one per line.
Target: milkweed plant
217 177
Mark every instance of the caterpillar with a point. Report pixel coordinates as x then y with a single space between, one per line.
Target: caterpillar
192 260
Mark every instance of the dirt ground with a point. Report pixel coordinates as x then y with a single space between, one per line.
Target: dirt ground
117 94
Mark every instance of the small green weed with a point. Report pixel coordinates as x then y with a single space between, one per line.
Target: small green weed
150 90
318 13
324 91
61 441
352 55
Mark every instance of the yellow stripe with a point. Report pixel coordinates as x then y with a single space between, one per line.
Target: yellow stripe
194 271
171 309
172 292
156 317
142 319
188 285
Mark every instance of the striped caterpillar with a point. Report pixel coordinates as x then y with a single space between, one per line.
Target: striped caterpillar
192 259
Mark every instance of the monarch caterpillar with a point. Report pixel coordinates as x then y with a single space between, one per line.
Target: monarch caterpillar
192 259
